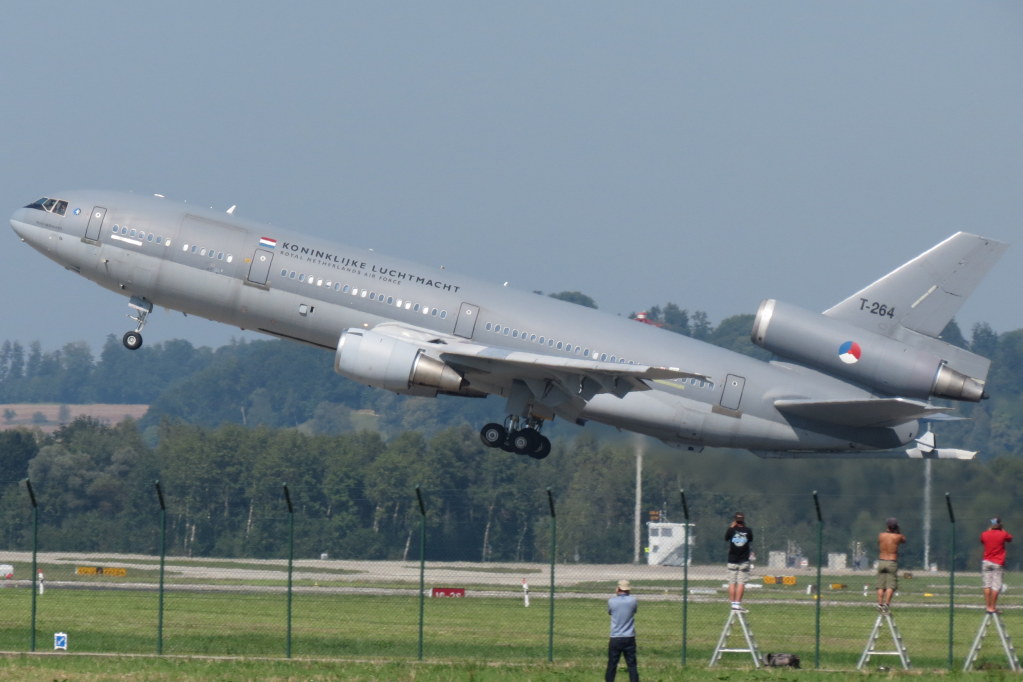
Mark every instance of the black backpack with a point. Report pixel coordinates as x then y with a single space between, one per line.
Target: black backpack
781 660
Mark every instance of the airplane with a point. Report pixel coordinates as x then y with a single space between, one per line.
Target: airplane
856 380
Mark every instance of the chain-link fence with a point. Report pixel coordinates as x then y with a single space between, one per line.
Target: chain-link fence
814 601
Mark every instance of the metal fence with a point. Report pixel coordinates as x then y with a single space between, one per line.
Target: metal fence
412 608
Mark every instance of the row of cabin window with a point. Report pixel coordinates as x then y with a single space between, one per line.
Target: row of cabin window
364 293
557 345
139 234
208 253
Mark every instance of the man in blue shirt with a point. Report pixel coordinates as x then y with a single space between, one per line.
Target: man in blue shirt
622 608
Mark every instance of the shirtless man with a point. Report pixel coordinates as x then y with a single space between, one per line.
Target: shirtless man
888 542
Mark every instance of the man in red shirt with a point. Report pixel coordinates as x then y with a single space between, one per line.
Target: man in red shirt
993 565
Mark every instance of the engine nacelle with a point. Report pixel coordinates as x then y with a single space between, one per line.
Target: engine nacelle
867 358
386 362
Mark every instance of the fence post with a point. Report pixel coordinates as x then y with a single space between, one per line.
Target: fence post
820 560
685 575
163 557
35 547
422 565
291 560
554 549
951 579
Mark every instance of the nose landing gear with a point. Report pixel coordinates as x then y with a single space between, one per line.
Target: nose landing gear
133 340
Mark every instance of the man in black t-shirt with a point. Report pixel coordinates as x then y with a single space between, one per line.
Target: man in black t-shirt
739 538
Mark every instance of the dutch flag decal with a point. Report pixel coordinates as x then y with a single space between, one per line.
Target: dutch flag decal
267 242
850 352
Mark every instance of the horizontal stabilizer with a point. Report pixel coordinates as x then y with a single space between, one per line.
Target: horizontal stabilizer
942 453
879 413
925 450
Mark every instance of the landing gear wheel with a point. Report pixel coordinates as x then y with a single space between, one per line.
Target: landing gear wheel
542 450
493 435
525 441
132 340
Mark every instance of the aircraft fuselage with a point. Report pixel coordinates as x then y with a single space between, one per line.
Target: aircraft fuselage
294 286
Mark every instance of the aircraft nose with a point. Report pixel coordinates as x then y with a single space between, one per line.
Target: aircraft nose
31 234
18 223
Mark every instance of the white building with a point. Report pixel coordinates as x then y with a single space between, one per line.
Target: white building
666 543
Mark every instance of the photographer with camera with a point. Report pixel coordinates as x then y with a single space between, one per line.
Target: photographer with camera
888 542
739 537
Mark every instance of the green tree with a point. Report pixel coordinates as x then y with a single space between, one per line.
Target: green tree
575 297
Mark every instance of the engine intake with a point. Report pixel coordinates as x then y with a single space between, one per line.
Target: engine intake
386 362
870 359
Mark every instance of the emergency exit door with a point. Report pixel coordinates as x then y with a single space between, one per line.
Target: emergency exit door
259 269
732 395
95 225
465 325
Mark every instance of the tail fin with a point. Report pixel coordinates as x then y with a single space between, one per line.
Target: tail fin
924 294
893 327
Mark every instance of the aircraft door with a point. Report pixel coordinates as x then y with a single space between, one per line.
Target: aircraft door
259 269
465 325
732 394
95 225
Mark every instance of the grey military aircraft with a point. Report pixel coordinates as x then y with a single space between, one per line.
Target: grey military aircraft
855 380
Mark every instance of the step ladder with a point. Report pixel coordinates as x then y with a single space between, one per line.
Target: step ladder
884 618
751 644
995 618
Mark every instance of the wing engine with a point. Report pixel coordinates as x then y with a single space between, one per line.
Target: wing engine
384 361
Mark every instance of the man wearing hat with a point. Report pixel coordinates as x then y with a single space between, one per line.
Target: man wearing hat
622 608
993 565
888 542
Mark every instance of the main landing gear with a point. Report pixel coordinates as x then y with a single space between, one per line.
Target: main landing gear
133 340
524 441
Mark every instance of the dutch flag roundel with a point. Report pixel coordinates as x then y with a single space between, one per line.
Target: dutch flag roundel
850 352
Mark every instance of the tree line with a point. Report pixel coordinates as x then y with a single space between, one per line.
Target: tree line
354 495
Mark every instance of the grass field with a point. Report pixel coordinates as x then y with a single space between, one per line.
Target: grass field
92 668
344 627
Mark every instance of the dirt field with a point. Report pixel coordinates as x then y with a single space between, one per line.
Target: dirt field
48 417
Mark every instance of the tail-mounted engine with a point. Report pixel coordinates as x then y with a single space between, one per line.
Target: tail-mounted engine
386 362
920 367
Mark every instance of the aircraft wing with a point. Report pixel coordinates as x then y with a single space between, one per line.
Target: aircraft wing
545 375
859 413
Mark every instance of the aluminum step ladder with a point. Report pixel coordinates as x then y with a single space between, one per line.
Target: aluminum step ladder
739 616
1003 635
884 618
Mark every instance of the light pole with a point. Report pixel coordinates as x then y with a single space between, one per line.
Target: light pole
638 520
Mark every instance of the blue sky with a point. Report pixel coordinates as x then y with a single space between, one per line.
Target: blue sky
707 154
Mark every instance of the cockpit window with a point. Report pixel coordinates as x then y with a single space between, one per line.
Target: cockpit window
58 206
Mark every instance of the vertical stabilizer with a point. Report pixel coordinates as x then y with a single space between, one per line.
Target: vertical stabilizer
924 294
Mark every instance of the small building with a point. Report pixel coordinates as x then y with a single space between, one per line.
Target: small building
666 543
